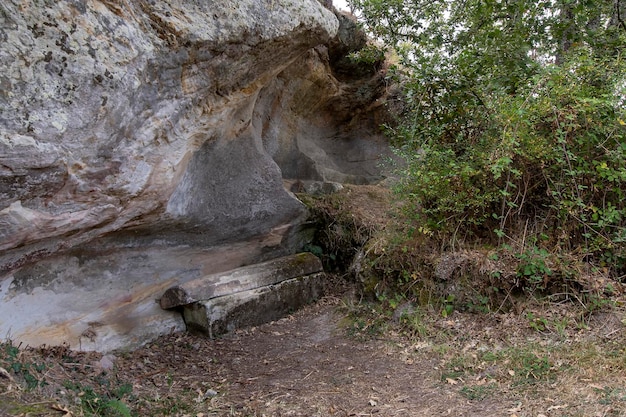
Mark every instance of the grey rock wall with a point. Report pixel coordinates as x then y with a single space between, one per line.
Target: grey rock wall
145 142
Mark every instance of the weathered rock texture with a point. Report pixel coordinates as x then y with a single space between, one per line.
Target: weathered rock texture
247 296
253 307
246 278
143 143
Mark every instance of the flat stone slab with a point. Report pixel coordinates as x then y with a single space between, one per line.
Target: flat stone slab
253 307
247 296
241 279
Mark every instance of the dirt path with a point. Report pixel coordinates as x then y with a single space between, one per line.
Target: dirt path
303 365
319 362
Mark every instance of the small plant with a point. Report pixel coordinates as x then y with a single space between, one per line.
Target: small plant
457 367
314 249
108 404
539 324
609 395
365 320
28 371
532 368
370 54
448 305
477 392
171 406
594 303
561 326
533 267
483 303
413 323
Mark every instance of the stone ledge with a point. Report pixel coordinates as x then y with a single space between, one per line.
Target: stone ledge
247 296
241 279
253 307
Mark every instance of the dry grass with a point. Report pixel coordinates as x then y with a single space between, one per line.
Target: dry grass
342 357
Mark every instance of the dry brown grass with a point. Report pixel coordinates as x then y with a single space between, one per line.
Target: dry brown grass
343 357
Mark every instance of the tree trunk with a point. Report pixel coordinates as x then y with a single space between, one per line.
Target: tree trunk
566 22
618 19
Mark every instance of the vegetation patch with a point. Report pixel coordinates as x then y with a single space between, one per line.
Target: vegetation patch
514 147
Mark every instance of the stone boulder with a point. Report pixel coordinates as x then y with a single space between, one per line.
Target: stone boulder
144 144
247 296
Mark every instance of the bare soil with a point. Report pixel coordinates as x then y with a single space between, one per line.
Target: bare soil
341 357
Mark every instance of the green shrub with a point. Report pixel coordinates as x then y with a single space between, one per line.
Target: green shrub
545 166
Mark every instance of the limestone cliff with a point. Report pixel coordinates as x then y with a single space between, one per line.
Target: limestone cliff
143 143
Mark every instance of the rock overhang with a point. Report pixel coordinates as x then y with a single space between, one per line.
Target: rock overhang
130 140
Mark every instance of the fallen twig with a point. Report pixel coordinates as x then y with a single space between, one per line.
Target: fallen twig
5 374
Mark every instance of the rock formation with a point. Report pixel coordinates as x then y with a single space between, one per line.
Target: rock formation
146 143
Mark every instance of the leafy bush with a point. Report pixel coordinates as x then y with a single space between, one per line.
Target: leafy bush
514 125
514 138
549 161
370 54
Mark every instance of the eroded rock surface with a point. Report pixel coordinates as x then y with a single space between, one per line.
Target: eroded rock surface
137 135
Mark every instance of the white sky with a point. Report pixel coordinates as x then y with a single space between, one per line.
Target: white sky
340 4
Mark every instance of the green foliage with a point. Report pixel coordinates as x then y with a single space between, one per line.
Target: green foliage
106 401
538 324
414 324
448 305
482 303
314 249
477 392
370 54
533 267
556 152
594 303
532 368
514 130
29 371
